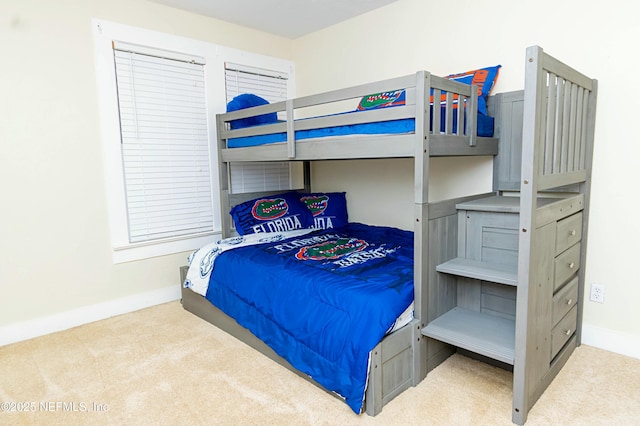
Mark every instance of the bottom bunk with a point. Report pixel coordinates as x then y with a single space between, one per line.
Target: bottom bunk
330 304
391 366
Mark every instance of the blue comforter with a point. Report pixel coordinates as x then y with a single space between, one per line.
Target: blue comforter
323 300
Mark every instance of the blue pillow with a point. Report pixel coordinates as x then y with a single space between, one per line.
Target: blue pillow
276 213
248 100
329 209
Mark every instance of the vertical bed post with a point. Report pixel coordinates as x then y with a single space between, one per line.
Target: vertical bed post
527 289
291 134
223 176
421 225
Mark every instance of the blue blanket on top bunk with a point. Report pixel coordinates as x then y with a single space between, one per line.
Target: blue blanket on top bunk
322 300
482 78
485 129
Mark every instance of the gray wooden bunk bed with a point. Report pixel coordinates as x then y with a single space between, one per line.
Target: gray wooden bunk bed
498 276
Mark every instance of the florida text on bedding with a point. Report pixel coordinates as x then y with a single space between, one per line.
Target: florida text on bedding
291 223
53 407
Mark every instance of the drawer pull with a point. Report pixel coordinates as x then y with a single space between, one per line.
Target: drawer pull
569 302
567 332
571 265
572 233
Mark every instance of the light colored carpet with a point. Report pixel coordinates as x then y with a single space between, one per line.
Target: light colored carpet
163 365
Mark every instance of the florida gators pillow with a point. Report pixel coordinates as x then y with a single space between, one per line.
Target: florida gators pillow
329 209
484 78
277 213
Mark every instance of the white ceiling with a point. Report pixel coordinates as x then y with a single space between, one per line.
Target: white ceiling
287 18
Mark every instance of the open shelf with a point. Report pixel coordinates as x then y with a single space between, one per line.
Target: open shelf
495 272
484 334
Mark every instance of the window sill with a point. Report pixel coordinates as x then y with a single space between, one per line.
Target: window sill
149 249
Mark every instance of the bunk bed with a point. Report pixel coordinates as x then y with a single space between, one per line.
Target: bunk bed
498 276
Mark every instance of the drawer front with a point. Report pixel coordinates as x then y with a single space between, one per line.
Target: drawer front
563 331
564 300
566 265
569 232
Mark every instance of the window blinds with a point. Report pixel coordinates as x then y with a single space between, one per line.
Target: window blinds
165 144
272 86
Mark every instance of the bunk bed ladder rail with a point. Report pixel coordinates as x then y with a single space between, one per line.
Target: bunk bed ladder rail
557 151
566 137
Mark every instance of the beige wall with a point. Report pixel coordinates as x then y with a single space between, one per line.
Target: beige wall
594 37
55 250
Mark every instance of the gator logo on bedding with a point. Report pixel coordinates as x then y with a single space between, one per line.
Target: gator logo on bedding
269 209
381 100
317 204
332 249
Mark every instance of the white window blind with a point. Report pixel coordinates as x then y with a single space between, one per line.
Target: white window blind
272 86
165 144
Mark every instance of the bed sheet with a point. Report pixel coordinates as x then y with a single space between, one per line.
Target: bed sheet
323 300
485 129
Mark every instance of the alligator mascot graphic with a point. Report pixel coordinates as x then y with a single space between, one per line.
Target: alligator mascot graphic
332 249
269 209
316 203
382 100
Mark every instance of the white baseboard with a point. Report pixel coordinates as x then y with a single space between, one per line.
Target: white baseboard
611 340
73 318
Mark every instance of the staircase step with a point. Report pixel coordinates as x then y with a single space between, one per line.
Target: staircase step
494 272
484 334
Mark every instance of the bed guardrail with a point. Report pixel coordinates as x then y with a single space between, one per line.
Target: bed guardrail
422 84
565 99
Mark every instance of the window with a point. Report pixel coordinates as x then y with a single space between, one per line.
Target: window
158 96
165 145
272 86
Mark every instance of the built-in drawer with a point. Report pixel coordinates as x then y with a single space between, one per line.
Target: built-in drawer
566 264
569 232
564 300
563 331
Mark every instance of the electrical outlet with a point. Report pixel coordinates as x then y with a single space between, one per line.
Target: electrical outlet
597 293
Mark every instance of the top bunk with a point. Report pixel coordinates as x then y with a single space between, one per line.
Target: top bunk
396 123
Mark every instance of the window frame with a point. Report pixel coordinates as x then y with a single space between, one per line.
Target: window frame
105 33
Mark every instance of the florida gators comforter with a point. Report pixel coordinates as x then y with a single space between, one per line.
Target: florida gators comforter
321 299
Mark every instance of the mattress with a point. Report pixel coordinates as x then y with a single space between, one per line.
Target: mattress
322 299
485 129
